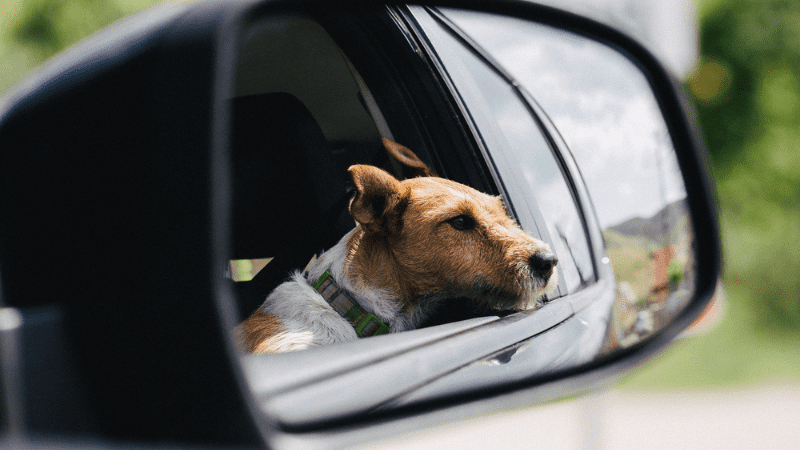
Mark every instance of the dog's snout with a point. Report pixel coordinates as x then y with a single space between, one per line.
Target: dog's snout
542 264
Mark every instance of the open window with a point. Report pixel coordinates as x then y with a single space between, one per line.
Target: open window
315 95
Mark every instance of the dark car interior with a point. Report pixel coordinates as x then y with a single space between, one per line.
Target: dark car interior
297 127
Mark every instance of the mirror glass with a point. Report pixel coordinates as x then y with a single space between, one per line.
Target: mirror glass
562 129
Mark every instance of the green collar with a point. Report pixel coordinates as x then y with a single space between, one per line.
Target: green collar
366 324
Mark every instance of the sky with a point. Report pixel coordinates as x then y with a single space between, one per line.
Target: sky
601 104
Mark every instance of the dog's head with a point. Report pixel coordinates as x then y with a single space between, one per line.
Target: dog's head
429 238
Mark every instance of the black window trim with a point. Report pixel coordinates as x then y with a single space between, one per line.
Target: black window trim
442 74
417 108
558 147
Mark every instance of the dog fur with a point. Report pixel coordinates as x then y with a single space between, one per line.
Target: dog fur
417 242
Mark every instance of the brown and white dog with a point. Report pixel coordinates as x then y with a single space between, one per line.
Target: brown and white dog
417 242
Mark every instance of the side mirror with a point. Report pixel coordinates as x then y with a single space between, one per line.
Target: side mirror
203 149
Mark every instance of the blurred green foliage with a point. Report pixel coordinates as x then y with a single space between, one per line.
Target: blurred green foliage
32 31
747 92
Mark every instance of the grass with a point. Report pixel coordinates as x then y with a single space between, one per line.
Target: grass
632 258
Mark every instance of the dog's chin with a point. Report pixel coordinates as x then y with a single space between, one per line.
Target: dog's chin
528 293
483 299
532 290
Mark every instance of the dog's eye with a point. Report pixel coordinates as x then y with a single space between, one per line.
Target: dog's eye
462 222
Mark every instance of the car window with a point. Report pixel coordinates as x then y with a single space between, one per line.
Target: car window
529 172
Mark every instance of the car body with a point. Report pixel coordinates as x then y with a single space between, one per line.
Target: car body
164 158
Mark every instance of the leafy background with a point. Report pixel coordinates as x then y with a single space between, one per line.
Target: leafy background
746 89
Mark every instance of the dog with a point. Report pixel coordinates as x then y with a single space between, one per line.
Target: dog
416 242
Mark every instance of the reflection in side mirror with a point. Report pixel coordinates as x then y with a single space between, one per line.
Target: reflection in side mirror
564 131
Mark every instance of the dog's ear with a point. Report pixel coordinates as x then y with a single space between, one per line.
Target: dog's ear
407 159
379 199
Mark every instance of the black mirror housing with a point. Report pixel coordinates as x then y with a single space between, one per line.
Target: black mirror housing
108 174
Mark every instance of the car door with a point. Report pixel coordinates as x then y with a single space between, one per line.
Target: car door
424 84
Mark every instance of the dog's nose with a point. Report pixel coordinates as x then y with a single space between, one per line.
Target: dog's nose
542 264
